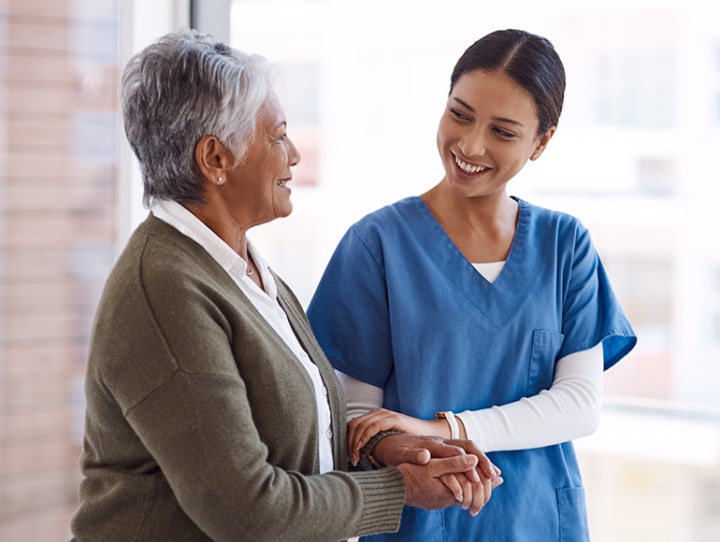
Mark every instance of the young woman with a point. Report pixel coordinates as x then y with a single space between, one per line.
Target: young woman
469 312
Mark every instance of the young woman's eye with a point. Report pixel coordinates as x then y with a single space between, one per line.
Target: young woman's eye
504 133
459 114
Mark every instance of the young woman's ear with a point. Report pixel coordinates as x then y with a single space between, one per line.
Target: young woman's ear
542 143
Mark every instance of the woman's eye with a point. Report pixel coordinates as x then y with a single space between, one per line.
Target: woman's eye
459 114
504 133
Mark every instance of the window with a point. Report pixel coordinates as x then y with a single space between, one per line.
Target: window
58 126
655 176
631 159
299 86
714 309
634 89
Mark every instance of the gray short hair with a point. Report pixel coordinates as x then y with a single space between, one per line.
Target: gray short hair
185 86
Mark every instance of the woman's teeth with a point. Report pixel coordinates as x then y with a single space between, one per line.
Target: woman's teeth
281 184
467 168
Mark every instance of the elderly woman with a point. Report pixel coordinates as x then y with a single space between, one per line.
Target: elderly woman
212 413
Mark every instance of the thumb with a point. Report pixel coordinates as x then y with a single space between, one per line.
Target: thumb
416 456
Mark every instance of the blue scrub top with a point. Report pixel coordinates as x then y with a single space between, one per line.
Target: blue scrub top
401 308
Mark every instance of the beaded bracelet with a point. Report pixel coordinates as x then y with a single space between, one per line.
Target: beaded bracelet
367 461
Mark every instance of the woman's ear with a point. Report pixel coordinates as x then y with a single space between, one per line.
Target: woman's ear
543 141
212 159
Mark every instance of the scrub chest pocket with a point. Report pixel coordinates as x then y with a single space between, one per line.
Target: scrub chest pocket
546 345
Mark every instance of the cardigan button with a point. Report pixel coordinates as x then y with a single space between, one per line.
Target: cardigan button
329 434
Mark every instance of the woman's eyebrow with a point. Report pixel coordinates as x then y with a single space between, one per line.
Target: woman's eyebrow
464 104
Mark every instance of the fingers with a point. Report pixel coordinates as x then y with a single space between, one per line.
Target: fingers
438 447
453 465
452 482
444 448
483 489
444 482
498 479
485 466
424 489
400 448
465 474
356 429
364 427
470 489
472 493
471 496
413 455
481 496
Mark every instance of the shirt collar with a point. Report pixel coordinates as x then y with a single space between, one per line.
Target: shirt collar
191 226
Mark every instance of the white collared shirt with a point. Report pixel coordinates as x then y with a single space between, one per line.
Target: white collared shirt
265 301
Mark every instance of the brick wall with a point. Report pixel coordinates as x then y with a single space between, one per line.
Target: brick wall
58 77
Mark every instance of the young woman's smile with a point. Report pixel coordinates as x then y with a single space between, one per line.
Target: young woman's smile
487 133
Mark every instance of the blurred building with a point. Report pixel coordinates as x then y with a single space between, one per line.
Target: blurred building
58 214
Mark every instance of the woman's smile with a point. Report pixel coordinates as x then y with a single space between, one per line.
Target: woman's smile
487 133
467 168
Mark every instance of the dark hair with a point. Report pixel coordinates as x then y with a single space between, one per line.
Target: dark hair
529 60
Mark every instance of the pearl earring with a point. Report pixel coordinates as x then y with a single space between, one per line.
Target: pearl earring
220 180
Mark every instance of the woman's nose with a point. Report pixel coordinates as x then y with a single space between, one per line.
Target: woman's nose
294 154
472 145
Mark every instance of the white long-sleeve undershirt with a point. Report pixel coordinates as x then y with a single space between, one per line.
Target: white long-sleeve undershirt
569 409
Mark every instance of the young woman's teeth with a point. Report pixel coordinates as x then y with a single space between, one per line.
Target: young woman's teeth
467 168
281 184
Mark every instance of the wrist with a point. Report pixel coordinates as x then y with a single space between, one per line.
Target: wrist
368 460
452 422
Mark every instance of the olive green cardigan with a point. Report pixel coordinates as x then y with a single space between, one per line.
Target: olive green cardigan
201 425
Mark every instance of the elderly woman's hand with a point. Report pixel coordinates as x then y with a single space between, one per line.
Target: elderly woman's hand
471 488
424 485
362 428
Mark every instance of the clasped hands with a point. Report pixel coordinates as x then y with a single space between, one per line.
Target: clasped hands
438 472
